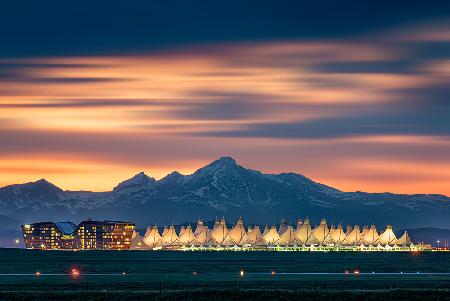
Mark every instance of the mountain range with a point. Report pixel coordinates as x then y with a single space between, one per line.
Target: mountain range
222 188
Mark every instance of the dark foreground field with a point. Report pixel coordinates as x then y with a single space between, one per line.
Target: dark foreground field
143 275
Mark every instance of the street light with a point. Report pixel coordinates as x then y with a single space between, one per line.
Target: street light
438 243
17 241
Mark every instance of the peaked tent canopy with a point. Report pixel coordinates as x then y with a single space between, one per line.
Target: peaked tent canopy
238 233
371 237
321 231
152 237
288 237
255 237
272 237
387 237
354 237
182 229
187 237
220 231
339 236
404 240
137 243
170 238
304 232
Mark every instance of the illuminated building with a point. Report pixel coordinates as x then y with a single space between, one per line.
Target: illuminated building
49 235
104 235
286 238
89 235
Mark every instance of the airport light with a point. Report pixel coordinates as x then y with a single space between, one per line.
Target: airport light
75 273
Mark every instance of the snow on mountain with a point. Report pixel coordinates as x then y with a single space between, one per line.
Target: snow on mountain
222 188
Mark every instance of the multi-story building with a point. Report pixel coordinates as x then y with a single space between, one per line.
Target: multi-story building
49 235
89 235
104 235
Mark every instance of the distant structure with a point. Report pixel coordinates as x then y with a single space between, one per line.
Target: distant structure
287 238
88 235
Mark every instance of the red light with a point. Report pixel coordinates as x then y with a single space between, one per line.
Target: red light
75 272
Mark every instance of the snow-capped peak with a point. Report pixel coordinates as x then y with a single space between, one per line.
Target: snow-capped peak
141 179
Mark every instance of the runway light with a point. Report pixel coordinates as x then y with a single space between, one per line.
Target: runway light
37 273
241 273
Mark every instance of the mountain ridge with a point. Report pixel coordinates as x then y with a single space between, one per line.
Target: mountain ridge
221 188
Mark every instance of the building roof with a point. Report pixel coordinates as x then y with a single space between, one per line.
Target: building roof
66 228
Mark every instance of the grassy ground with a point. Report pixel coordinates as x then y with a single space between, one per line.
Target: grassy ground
224 295
170 276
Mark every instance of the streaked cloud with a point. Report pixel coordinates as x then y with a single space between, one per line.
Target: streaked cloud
355 113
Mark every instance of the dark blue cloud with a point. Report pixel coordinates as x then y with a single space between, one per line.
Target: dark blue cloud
423 111
31 28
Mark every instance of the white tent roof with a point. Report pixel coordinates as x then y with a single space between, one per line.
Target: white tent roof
137 243
272 237
304 232
238 233
339 236
152 237
182 229
254 237
355 236
220 231
404 240
387 237
312 240
187 237
321 231
288 237
170 237
371 236
200 227
164 231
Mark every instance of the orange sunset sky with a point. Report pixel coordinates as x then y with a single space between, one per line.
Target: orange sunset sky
366 113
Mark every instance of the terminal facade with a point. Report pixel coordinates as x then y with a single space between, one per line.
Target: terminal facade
88 235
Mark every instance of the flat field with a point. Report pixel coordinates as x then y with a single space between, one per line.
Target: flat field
169 275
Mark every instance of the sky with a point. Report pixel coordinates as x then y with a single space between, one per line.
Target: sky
352 94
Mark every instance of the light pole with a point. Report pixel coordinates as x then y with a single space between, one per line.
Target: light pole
17 241
438 243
